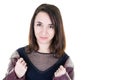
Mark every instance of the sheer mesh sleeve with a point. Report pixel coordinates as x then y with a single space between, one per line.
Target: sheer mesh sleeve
69 71
11 75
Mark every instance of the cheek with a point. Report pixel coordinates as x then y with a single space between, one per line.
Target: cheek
36 30
52 33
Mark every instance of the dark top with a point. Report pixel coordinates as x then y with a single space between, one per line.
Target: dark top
33 73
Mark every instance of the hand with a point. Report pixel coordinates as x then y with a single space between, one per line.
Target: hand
20 68
61 71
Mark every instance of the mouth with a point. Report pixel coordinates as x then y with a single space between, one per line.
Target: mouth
44 38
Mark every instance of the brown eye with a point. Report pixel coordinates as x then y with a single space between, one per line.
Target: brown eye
51 26
38 24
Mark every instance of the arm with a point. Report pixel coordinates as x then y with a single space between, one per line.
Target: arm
66 72
11 74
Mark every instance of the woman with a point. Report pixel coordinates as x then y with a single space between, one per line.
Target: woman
44 57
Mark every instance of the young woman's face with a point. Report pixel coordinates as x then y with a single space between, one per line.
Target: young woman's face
43 28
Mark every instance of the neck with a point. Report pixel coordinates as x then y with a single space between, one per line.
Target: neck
44 48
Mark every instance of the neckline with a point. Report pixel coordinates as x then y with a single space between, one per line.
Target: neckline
43 53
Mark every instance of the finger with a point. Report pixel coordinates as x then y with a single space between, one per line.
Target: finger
20 60
58 71
26 67
61 67
55 73
23 63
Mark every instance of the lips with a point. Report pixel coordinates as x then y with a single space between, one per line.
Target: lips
44 38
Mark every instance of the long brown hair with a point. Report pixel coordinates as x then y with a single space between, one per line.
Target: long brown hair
58 43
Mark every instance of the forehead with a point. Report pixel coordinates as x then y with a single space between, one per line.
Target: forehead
42 16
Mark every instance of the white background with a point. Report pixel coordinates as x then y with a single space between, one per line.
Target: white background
92 29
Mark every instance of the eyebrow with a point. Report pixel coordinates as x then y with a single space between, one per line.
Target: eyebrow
41 22
38 22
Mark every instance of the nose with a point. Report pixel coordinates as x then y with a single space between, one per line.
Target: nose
44 31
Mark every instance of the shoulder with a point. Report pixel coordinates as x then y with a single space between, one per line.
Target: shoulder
15 54
69 63
21 48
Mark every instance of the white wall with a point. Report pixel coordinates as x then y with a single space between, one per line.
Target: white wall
92 30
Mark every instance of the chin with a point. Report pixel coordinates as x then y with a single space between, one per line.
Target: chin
44 42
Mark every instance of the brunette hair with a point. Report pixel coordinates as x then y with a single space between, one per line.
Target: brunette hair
58 43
